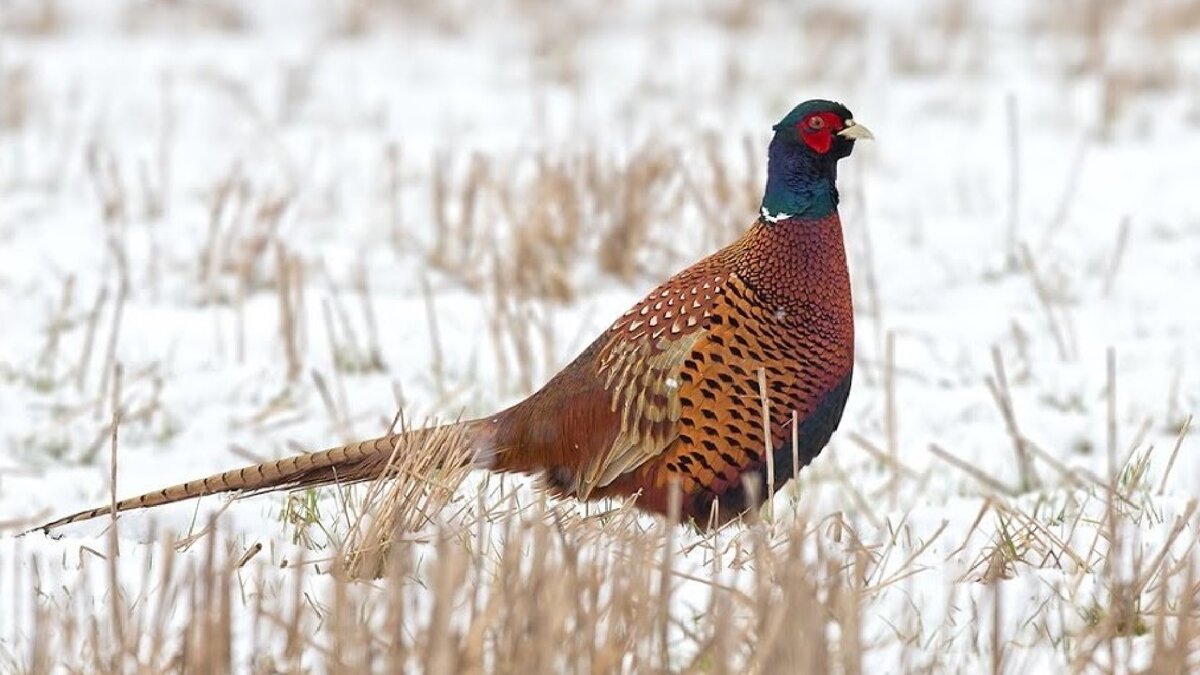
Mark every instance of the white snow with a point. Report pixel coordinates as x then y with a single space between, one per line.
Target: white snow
177 120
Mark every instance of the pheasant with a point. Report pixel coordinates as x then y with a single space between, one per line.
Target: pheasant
735 356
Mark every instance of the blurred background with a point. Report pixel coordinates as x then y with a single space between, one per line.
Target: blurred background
283 220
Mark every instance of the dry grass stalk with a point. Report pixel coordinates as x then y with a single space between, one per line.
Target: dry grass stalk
373 357
1114 264
1054 322
89 338
767 434
1110 396
17 104
290 291
108 184
973 471
1183 432
1014 177
436 365
114 334
421 478
998 387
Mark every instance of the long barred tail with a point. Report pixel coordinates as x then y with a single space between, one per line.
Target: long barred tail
344 464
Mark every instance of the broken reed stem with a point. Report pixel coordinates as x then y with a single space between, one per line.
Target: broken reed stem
1070 187
106 181
351 356
48 358
392 161
674 503
1002 395
374 350
795 449
114 335
1183 432
770 449
337 363
1043 296
880 455
112 449
1014 175
336 415
116 616
1111 397
285 280
89 338
1114 264
997 638
437 363
246 557
972 471
889 389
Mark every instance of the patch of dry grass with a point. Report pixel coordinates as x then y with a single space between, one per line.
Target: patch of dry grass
493 585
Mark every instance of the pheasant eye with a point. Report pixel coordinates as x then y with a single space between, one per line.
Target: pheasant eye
816 123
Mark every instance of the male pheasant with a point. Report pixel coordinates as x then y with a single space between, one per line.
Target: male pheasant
671 392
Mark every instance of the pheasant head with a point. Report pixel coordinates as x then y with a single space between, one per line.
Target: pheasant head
803 157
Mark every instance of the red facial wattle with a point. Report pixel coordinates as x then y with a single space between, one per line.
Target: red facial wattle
818 134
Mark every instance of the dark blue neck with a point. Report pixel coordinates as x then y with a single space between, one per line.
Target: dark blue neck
799 183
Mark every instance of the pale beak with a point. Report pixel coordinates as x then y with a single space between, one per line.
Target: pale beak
856 132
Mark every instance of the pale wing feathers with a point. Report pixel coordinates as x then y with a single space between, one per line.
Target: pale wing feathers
643 377
641 364
642 373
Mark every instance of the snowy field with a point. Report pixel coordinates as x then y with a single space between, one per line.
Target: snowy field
263 229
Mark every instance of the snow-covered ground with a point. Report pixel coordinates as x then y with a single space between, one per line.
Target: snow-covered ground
1029 205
